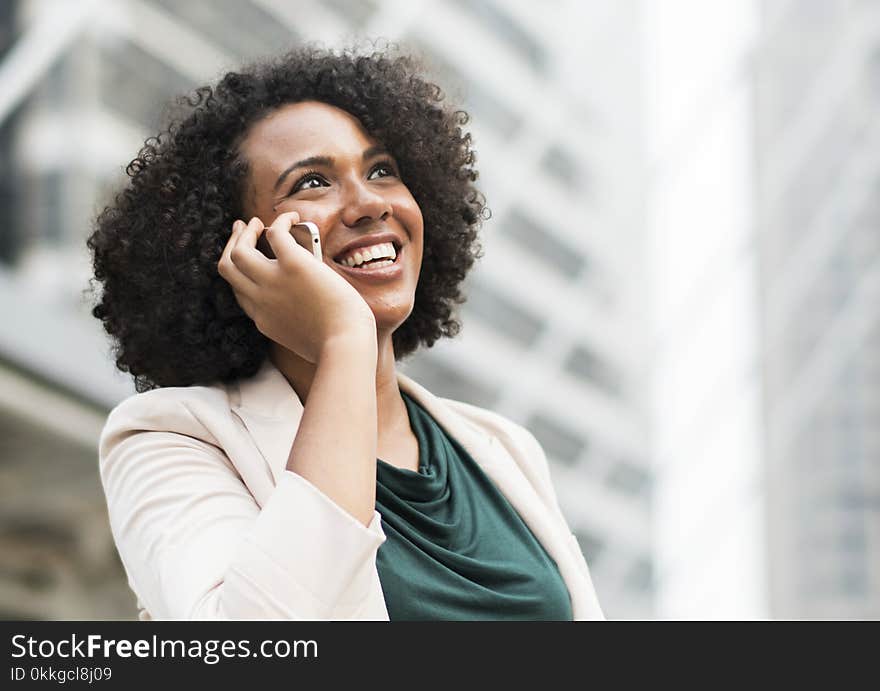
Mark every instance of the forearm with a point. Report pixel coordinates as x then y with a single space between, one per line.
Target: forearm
335 445
196 543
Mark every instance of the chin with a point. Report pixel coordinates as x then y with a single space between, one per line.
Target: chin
391 320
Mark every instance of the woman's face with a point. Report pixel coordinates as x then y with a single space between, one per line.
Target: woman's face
317 160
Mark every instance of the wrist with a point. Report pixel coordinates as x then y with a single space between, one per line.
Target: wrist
352 344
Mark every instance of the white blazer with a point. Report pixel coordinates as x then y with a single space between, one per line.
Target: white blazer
210 524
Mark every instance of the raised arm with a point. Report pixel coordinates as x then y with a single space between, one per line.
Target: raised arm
304 306
192 537
196 545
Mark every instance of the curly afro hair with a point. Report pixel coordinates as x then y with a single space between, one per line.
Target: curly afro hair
173 320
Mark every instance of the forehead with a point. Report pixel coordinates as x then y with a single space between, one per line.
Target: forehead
303 129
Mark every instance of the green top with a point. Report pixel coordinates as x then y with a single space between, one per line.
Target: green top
455 549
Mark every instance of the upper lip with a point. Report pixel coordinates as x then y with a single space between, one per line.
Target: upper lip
368 241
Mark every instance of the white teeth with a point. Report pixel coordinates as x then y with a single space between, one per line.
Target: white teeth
376 265
368 253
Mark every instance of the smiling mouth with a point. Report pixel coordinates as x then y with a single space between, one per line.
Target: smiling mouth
373 264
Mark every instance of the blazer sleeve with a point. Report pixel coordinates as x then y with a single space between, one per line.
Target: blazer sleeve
196 545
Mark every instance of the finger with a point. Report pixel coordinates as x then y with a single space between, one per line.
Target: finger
224 263
285 220
246 304
245 255
227 268
248 235
279 235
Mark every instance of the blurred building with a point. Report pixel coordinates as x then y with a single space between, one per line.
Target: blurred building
766 256
817 118
554 333
709 523
553 326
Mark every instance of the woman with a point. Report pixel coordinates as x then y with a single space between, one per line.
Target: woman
274 463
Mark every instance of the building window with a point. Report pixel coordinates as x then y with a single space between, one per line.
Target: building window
543 245
640 576
872 72
45 224
591 545
138 85
355 12
487 109
503 315
239 27
564 168
447 382
439 69
52 197
10 193
557 441
490 112
853 540
508 30
583 363
629 479
852 580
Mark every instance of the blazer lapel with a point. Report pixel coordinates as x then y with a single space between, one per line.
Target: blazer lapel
270 409
502 469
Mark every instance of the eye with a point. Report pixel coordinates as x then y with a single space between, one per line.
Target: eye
309 180
386 167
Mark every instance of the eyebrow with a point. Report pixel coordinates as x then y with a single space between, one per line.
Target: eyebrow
326 161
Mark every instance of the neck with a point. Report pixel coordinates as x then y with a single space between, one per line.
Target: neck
390 408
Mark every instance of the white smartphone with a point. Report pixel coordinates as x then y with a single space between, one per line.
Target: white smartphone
314 242
315 239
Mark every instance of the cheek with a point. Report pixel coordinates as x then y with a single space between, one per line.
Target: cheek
408 212
321 213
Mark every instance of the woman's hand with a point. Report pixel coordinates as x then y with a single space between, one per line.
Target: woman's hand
296 301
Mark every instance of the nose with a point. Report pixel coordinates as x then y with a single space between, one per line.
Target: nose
363 204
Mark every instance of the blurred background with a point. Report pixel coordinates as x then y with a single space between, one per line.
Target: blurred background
688 185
